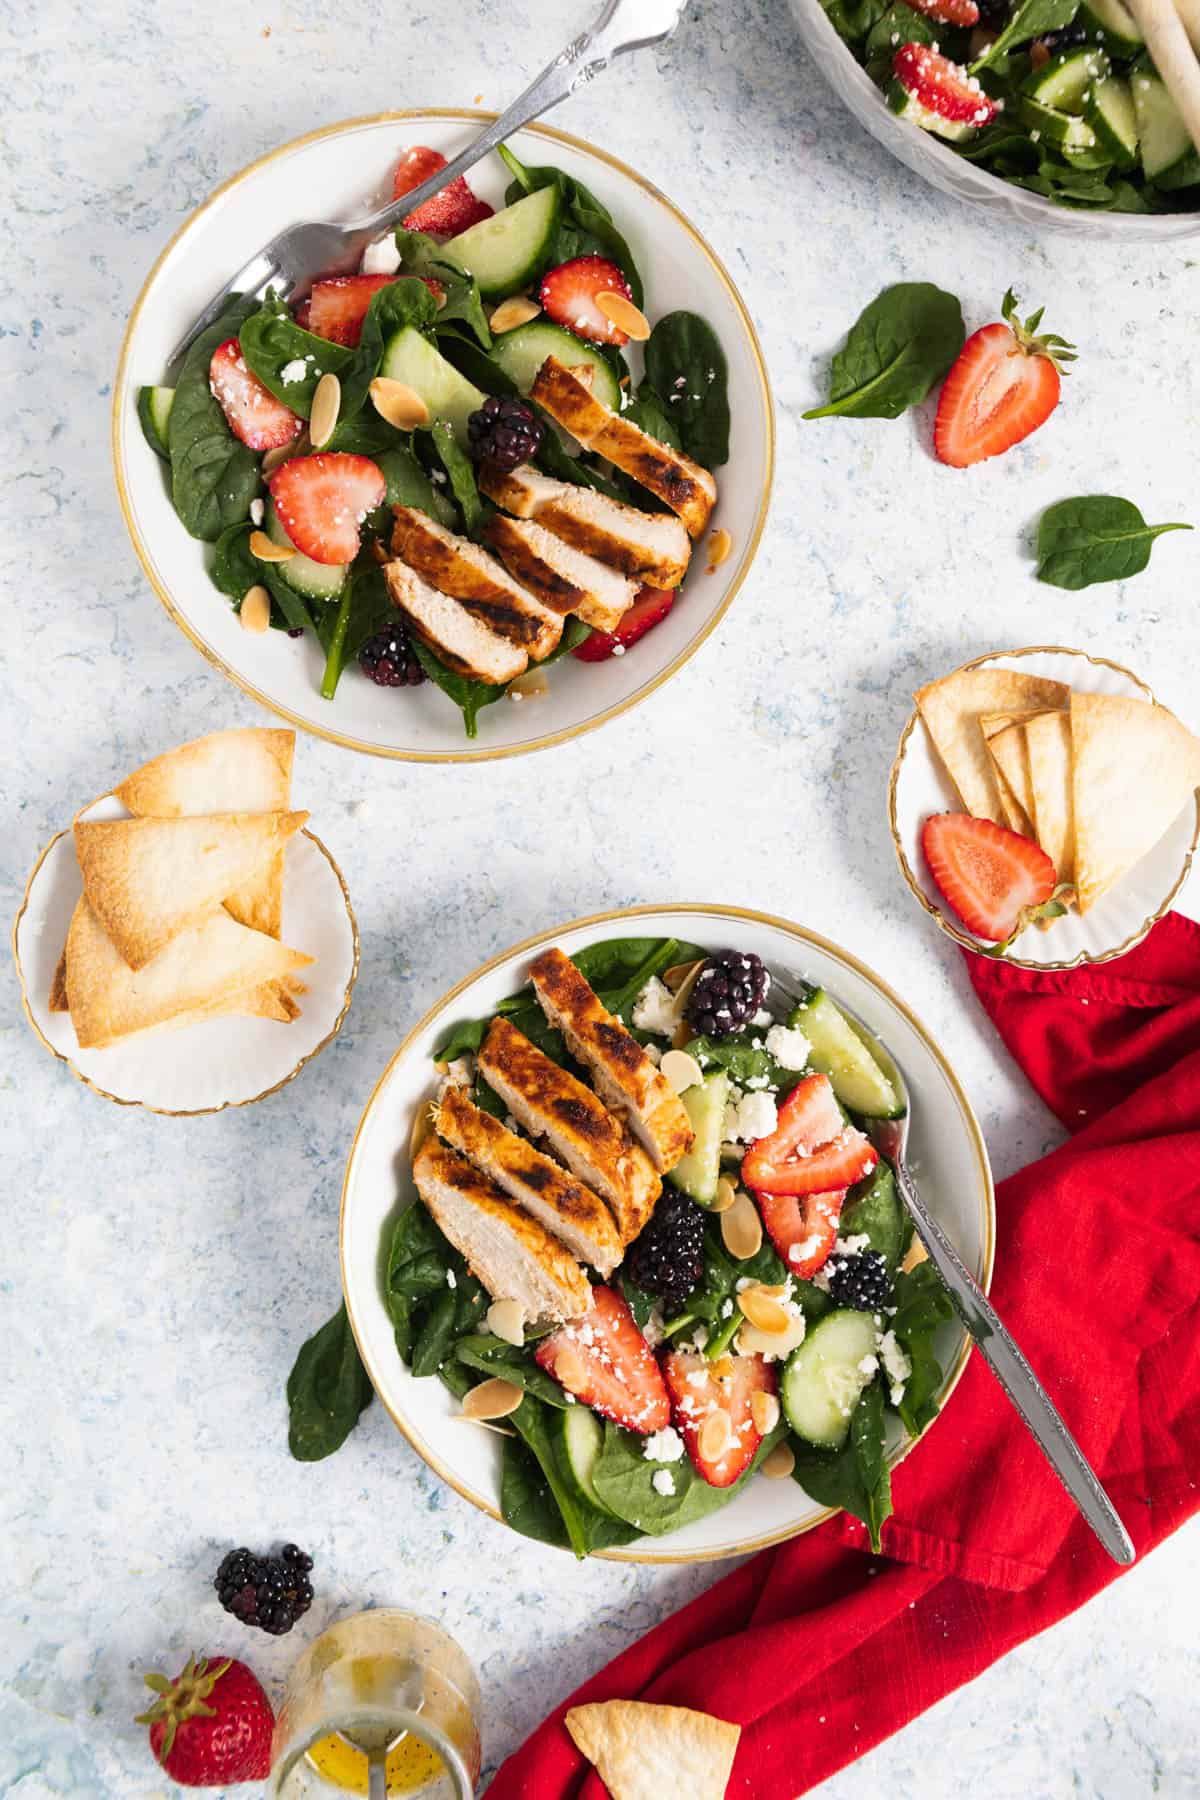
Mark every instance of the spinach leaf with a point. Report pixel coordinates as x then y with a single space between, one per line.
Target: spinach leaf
742 1061
526 1501
554 459
585 226
364 608
272 341
469 696
897 348
418 1259
422 255
853 19
491 1356
214 477
874 1207
922 1305
856 1476
285 600
408 484
326 1391
686 368
406 301
650 414
897 23
367 435
624 1480
1032 19
640 1303
476 365
234 570
713 1303
458 466
587 1528
1095 538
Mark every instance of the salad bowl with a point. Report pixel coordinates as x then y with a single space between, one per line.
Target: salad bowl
378 1187
345 170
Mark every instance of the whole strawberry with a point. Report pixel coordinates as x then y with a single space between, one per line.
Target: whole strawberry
212 1725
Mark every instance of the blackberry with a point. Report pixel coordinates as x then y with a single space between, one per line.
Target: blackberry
727 993
271 1592
667 1258
504 432
861 1281
388 659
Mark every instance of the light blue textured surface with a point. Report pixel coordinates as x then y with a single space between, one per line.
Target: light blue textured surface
158 1275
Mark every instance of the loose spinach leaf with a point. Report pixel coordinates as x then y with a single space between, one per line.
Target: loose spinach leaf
364 608
491 1356
686 368
469 696
1032 19
461 472
897 348
585 225
874 1207
922 1305
421 255
272 341
1097 537
624 1480
213 476
326 1391
856 1476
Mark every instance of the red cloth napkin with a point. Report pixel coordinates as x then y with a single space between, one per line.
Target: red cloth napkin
1098 1274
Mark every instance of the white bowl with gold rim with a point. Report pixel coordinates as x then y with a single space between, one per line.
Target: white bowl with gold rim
1122 917
343 171
946 1143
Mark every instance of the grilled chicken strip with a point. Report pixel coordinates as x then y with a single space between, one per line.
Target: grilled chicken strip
456 566
648 547
563 578
464 645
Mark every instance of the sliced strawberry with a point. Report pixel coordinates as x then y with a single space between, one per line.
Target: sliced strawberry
253 413
1005 383
942 87
568 296
322 500
698 1392
414 167
947 12
810 1150
337 306
802 1227
650 607
985 873
605 1361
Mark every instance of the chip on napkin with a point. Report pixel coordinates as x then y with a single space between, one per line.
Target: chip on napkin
952 709
646 1752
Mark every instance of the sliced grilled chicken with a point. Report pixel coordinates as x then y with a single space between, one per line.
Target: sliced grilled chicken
623 1074
653 548
463 644
571 1212
510 1253
456 566
595 1145
562 578
686 488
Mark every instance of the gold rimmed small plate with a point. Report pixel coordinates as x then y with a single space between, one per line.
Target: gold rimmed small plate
221 1062
920 786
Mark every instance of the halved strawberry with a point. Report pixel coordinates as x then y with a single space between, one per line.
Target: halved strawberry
605 1361
414 167
987 874
322 500
810 1150
568 296
1005 383
253 413
698 1393
650 607
947 12
941 86
449 212
337 306
802 1227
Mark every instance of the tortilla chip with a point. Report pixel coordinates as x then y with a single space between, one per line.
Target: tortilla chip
1048 747
952 710
646 1752
149 879
200 969
1136 768
1010 767
58 986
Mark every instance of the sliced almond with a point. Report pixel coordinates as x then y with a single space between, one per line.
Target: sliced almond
275 459
569 1371
398 403
518 309
762 1310
678 973
326 405
779 1463
622 313
506 1320
267 550
494 1399
719 546
529 686
914 1255
726 1195
723 1367
683 1031
714 1436
681 1071
753 1342
764 1410
485 1425
422 1126
741 1228
255 610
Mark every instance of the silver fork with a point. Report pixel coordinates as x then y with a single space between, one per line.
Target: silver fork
998 1348
291 261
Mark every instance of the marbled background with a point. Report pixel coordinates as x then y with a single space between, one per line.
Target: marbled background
158 1275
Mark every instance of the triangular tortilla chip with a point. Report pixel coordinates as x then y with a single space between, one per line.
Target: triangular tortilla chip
196 974
1136 768
228 771
1048 747
952 709
275 1000
647 1752
149 879
1006 747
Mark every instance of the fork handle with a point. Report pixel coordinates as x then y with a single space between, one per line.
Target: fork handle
1008 1364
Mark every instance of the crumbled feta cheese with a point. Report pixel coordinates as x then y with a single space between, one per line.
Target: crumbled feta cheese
752 1116
757 1082
762 1016
451 1279
897 1364
852 1245
727 1309
790 1048
652 1330
256 511
461 1072
296 370
654 1009
663 1482
380 258
665 1446
654 1053
868 1366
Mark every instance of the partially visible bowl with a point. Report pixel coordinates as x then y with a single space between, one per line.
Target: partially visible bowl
939 165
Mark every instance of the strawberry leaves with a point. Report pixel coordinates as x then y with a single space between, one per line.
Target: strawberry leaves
1094 538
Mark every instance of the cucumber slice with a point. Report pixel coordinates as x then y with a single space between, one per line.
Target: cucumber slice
1112 24
1062 129
907 106
316 581
1169 158
579 1438
839 1052
521 353
509 249
696 1173
411 358
1110 113
154 409
1068 78
825 1376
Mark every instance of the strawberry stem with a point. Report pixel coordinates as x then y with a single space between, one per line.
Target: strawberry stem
183 1698
1048 344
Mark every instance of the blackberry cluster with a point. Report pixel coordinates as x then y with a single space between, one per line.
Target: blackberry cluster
860 1281
270 1592
727 993
388 659
667 1258
504 432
